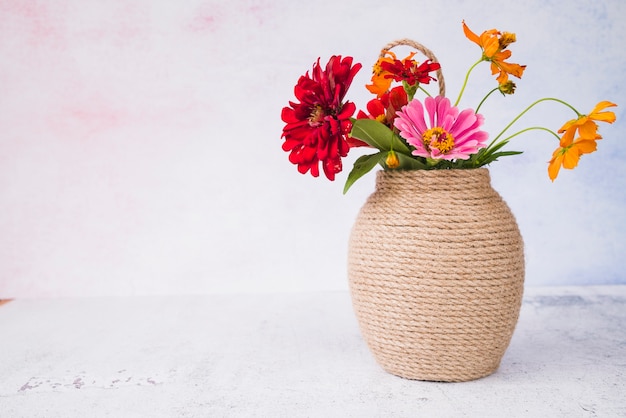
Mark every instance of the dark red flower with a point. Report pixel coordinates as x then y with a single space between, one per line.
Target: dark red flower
317 127
408 70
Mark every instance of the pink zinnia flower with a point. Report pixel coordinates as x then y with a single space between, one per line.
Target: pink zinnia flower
450 135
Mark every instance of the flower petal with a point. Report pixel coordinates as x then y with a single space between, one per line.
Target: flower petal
471 35
602 105
555 164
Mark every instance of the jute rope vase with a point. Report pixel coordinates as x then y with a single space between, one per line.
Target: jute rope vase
436 273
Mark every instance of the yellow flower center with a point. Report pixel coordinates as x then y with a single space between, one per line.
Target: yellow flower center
381 118
317 115
506 39
438 138
377 68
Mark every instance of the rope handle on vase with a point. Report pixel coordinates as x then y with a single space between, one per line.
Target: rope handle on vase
421 48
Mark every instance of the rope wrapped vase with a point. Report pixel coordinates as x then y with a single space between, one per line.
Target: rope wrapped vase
436 273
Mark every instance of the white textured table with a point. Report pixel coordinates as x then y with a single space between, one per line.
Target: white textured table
294 355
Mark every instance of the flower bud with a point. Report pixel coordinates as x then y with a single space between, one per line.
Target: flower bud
392 160
507 87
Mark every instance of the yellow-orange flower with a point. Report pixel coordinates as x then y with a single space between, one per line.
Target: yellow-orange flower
569 155
494 44
585 125
380 84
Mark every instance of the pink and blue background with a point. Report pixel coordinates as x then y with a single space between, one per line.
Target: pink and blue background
140 140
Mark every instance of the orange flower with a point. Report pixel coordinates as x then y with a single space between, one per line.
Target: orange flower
380 84
569 155
494 44
585 125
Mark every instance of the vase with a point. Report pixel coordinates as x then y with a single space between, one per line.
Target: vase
436 274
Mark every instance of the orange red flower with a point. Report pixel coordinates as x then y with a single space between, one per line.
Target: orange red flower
388 69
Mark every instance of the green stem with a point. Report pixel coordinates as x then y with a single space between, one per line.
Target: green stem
466 79
485 98
410 90
539 128
425 92
527 109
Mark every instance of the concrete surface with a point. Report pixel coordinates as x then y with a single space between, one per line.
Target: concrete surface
293 355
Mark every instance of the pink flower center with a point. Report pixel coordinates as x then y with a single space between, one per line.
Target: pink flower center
438 138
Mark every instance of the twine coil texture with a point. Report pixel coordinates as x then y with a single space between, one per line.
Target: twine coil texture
436 271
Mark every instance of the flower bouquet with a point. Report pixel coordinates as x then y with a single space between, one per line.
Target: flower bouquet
435 257
414 134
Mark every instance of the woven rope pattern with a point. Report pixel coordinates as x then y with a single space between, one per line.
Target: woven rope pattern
436 271
427 52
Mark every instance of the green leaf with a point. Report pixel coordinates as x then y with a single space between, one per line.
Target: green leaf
378 135
491 154
362 166
496 155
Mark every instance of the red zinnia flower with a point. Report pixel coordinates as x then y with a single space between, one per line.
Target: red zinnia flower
389 68
409 71
318 126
